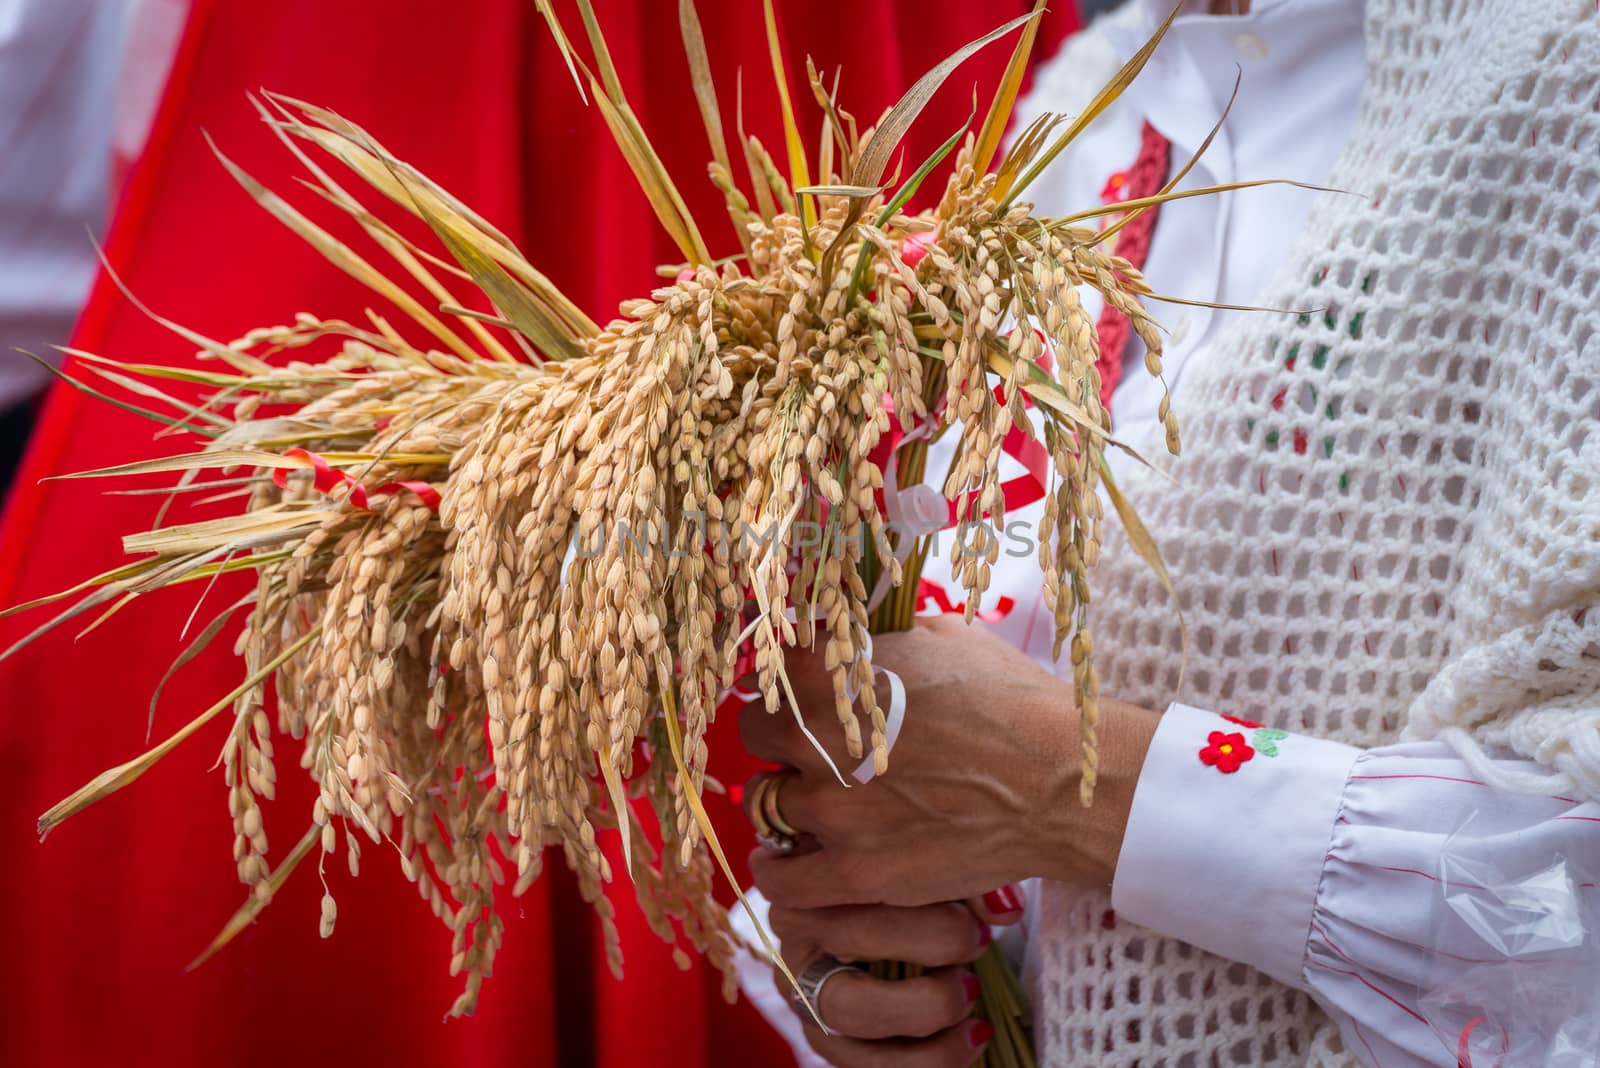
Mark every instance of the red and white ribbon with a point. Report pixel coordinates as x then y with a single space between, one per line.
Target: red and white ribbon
325 478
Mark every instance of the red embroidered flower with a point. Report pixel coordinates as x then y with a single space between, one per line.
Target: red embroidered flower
1116 189
1226 752
1252 724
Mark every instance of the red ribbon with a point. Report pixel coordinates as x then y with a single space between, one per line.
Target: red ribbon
745 663
1028 451
326 478
424 491
915 247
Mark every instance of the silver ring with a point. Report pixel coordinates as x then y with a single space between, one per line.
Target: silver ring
777 842
810 981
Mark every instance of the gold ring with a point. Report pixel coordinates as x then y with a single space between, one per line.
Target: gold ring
772 831
769 807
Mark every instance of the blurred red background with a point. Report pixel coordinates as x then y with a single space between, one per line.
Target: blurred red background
98 923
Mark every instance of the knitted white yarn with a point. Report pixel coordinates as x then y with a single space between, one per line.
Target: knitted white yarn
1426 563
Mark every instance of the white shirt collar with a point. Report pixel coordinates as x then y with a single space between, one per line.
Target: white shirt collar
1128 35
1192 72
1156 10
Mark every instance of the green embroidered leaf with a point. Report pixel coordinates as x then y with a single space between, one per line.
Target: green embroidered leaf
1266 740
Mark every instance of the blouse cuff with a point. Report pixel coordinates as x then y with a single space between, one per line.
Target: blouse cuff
1227 837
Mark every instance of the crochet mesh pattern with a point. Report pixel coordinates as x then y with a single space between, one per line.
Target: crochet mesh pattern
1386 520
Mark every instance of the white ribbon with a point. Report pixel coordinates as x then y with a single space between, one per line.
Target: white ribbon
893 719
894 716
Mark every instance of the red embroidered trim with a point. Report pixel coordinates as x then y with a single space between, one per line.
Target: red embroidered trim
1143 179
1241 722
1226 752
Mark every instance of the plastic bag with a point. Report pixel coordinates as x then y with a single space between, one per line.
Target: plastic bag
1520 987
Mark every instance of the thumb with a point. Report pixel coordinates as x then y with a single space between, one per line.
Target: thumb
999 908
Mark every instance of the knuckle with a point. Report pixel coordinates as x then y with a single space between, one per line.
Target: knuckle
822 811
862 877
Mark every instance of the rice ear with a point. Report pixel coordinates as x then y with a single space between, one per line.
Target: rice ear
669 718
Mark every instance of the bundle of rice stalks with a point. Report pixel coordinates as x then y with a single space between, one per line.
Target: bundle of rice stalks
506 564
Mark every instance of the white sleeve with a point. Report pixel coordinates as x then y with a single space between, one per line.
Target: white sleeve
1432 916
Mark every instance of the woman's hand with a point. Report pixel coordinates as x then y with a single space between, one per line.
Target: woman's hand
981 789
925 1022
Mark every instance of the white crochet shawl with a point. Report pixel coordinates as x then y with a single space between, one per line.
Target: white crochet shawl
1429 564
